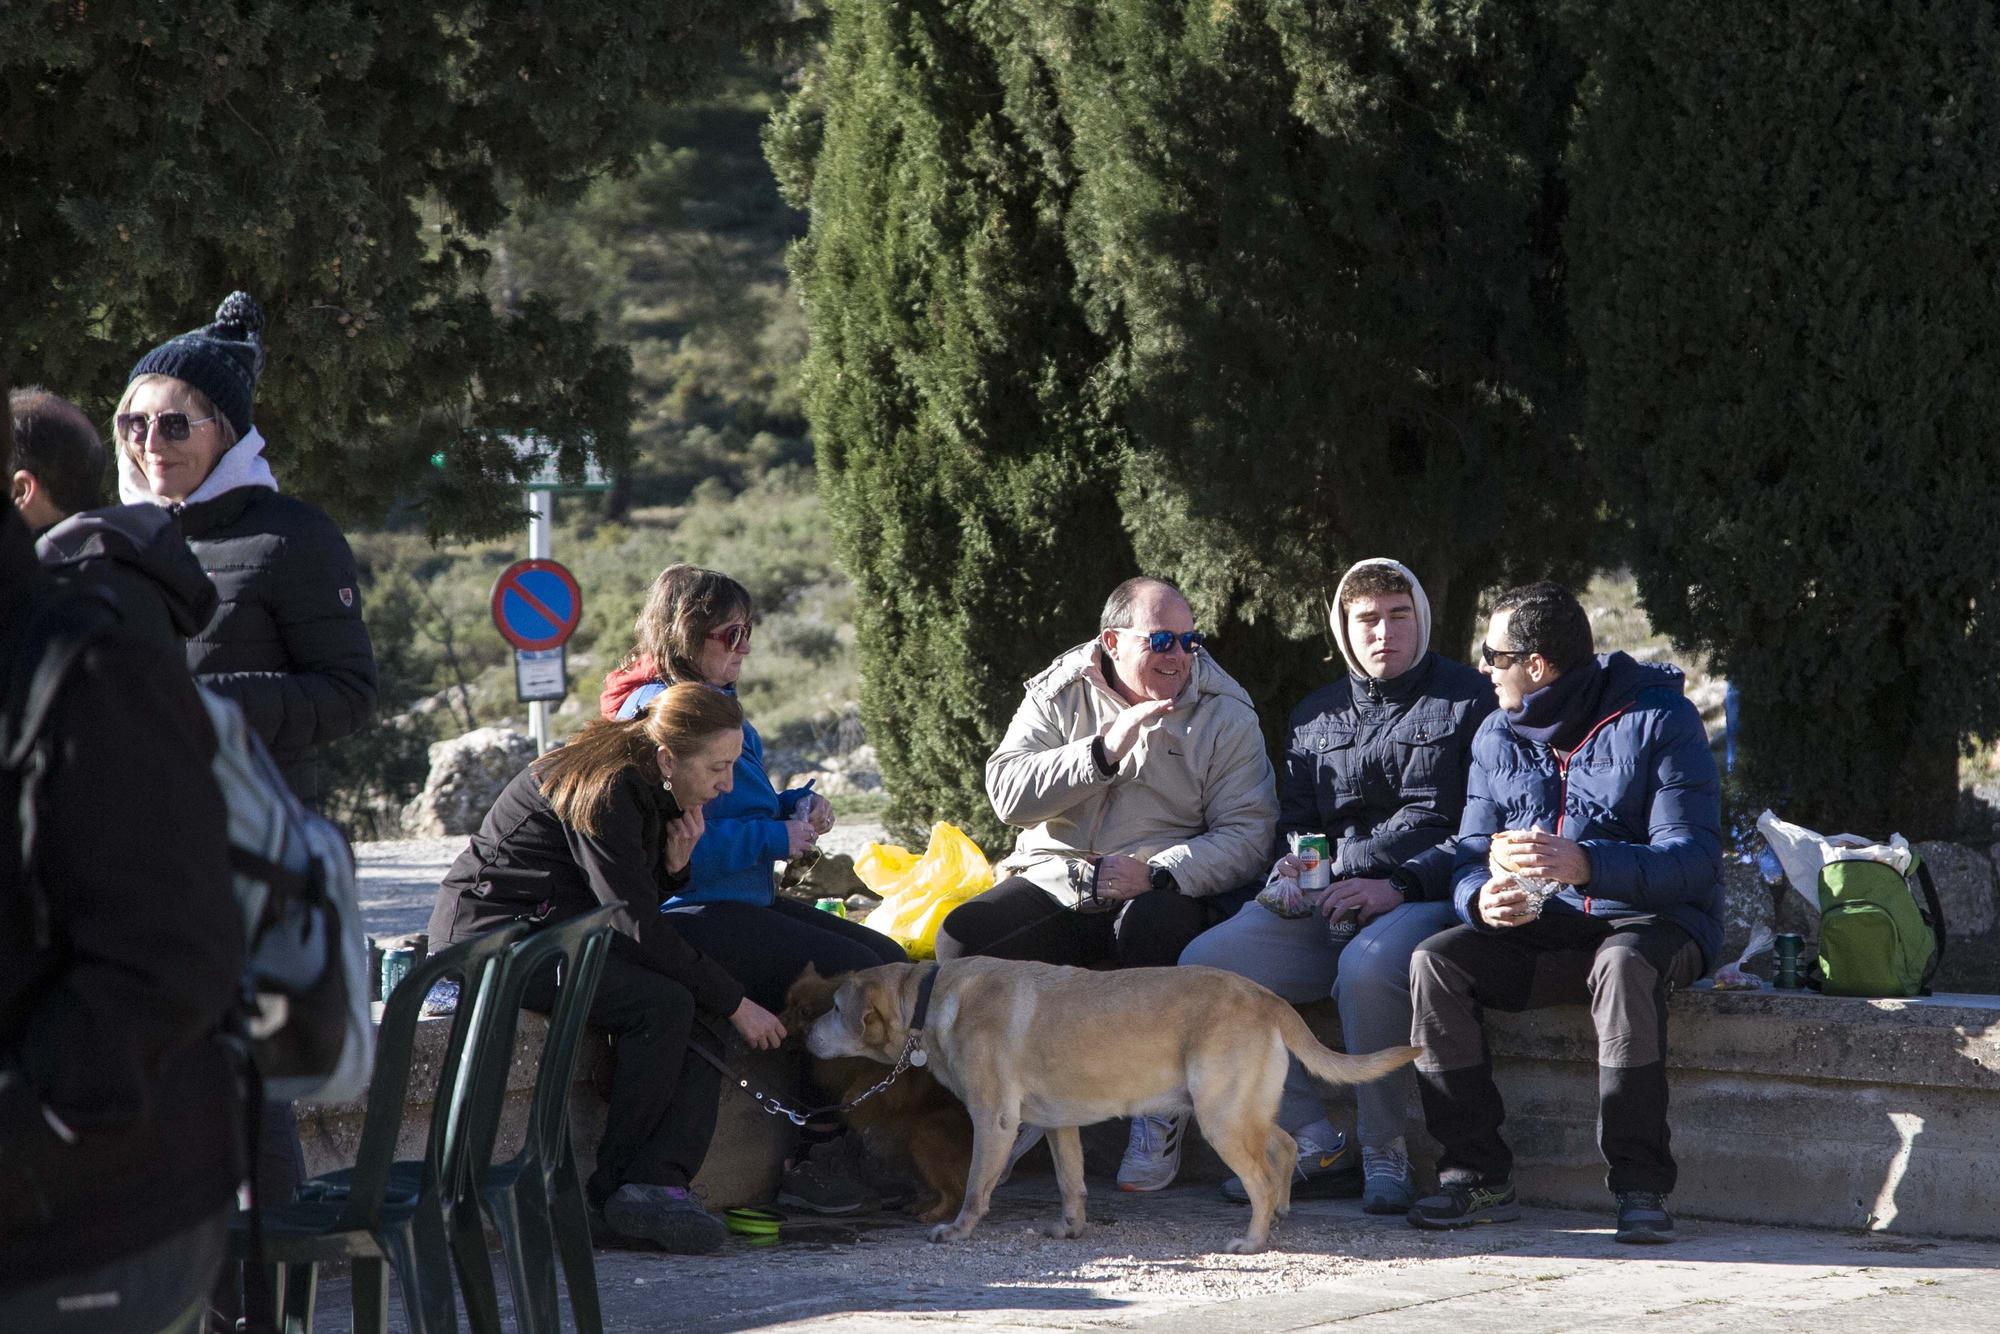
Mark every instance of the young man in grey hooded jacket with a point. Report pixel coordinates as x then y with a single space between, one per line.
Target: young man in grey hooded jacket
1377 762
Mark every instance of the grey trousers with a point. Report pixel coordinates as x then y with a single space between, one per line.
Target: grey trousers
1370 979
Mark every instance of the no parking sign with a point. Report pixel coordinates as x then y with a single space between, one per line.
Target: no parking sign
536 605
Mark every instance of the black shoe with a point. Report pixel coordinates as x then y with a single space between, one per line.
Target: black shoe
668 1216
820 1189
1643 1218
1465 1206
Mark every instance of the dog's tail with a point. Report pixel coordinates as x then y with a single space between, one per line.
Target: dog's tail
1331 1066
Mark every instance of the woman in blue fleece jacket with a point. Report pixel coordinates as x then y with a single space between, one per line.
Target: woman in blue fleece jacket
696 626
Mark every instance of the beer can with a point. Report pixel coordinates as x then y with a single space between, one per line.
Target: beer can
1316 852
1341 929
1791 950
838 907
396 965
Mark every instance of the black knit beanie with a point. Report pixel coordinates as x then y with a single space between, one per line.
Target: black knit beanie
222 359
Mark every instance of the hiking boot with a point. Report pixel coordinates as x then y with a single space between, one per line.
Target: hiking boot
819 1189
668 1216
1027 1138
1466 1206
1317 1174
1388 1186
1153 1153
1643 1218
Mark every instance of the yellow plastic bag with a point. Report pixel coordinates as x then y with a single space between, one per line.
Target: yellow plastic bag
917 892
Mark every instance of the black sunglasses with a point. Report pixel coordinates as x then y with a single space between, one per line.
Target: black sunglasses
1161 640
1491 656
133 427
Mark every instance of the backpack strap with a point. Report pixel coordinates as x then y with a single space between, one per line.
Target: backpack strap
58 636
1937 927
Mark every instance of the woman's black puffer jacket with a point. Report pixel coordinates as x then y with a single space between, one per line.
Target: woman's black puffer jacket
286 642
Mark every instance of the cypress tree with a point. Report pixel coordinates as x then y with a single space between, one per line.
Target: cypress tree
1267 287
964 412
1328 238
1785 286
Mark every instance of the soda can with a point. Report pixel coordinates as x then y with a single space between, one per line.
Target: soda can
1316 852
1791 950
396 965
838 907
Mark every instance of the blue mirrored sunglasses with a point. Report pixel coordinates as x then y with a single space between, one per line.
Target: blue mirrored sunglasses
1161 640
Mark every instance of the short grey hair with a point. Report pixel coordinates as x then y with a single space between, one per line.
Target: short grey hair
1118 607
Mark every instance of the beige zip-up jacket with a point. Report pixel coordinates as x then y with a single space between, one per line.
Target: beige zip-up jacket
1196 794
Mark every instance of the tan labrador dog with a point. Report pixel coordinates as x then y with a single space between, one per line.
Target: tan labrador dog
1066 1047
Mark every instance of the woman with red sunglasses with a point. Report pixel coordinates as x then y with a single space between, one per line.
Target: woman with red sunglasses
697 625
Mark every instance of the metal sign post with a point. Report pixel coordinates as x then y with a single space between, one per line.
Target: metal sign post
536 605
540 673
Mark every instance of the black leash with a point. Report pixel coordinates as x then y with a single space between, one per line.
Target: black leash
913 1054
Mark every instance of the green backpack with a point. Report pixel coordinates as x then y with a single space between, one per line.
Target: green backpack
1873 938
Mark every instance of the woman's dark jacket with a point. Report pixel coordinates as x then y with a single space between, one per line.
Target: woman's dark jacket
109 1020
1379 768
286 642
1641 794
525 862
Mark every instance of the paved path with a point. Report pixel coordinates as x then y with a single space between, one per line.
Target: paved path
1148 1264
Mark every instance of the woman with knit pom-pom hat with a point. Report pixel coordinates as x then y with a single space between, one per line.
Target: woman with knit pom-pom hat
286 642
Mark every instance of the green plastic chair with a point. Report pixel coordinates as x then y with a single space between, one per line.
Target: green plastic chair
535 1199
360 1214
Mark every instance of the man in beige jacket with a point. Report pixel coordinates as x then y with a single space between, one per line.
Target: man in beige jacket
1137 775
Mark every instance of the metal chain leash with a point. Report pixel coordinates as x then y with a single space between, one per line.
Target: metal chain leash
772 1105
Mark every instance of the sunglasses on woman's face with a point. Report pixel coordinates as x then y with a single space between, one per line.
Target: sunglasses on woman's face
735 637
134 427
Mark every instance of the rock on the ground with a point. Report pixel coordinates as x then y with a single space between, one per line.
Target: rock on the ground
467 773
1965 885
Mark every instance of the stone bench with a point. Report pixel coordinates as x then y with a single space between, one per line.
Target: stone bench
743 1158
1787 1108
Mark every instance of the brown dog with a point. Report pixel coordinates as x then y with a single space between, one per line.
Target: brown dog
915 1117
1065 1047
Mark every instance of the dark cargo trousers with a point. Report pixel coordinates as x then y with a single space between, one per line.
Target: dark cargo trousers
663 1096
1621 967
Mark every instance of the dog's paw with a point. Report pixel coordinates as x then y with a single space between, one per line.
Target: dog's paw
949 1232
1243 1246
1062 1229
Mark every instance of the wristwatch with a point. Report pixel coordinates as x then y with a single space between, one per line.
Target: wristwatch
1405 882
1161 878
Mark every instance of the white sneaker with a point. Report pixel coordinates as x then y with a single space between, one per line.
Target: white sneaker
1153 1154
1027 1138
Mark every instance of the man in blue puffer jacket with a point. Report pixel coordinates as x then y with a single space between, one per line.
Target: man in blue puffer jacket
1594 779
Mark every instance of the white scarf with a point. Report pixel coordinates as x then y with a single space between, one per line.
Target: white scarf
242 465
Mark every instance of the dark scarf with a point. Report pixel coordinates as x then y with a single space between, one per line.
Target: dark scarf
1560 713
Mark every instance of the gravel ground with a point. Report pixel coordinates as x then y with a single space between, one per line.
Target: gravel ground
1149 1262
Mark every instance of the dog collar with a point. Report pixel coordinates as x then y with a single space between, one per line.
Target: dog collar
916 1048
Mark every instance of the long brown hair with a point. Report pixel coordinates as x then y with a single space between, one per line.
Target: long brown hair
577 777
684 604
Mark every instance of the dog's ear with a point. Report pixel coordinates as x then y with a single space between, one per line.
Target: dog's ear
876 1011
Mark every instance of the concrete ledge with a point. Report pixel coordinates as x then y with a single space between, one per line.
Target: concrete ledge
1787 1108
743 1159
